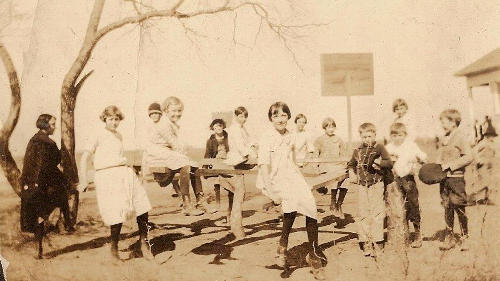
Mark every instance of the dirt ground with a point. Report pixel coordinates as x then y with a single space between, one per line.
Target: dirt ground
201 248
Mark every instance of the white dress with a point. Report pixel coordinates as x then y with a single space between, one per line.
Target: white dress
239 144
164 147
303 145
288 186
120 194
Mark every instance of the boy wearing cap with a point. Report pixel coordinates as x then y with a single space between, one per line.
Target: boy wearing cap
454 154
406 154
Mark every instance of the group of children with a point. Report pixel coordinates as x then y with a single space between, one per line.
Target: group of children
280 156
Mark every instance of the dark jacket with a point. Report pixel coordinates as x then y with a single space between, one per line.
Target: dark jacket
362 162
43 184
212 145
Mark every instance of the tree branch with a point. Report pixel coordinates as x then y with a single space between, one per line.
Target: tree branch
79 85
7 162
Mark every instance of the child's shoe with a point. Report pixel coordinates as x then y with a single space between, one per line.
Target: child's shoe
145 248
367 248
464 243
115 257
317 266
417 243
281 256
189 210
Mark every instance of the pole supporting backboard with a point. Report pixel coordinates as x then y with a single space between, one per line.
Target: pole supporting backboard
347 75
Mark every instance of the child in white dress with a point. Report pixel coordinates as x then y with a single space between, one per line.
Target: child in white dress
280 179
167 150
304 146
119 192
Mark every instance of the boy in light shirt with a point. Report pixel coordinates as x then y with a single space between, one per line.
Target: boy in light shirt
406 155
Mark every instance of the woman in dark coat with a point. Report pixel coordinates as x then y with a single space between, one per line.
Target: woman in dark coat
44 187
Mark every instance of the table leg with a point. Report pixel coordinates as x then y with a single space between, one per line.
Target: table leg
236 212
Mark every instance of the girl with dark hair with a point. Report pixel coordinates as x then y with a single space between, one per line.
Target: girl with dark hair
280 179
120 194
44 185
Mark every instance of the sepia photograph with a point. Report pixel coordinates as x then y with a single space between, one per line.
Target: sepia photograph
249 140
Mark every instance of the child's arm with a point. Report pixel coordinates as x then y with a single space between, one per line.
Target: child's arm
317 146
311 148
421 156
168 136
238 143
342 149
465 158
351 166
385 157
207 149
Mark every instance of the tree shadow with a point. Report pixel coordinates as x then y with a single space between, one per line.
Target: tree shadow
440 235
296 256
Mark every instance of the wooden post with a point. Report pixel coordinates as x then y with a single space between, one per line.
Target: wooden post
236 210
348 88
471 105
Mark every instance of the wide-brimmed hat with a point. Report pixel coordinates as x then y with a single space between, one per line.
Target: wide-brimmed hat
154 108
431 173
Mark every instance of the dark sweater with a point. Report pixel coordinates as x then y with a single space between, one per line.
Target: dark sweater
362 162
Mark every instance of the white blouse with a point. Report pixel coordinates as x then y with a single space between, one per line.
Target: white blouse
107 148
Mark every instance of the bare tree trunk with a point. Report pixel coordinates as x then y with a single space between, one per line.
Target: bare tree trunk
7 162
69 93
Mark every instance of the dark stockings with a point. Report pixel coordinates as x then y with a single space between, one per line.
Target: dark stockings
142 223
288 219
449 217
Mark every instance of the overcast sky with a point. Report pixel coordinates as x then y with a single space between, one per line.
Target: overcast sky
417 47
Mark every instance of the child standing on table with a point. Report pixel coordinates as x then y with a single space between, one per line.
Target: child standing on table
454 154
120 194
280 179
332 147
366 169
406 155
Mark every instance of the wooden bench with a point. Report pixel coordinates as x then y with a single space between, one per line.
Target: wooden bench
218 167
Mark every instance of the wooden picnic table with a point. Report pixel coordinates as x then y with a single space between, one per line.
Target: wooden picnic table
217 167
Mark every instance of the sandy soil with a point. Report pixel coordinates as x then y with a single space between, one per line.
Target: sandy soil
201 248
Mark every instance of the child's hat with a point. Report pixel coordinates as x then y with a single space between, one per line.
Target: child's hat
154 108
431 173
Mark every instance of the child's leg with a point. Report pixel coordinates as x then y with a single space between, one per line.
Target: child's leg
413 208
333 200
142 223
462 219
184 178
288 219
377 212
115 237
363 211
